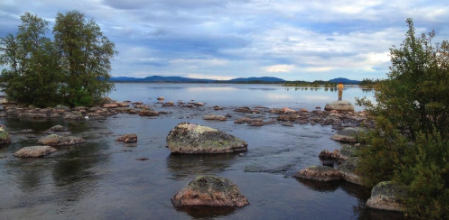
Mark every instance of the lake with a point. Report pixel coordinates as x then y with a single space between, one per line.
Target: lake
102 179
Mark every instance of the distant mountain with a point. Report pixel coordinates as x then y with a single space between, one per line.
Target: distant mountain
158 79
185 79
344 80
257 79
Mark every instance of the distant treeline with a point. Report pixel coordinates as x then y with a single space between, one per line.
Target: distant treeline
370 83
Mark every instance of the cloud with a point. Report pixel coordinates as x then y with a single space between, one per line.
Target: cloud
296 40
281 68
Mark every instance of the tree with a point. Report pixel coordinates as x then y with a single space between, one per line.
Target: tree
85 54
73 69
410 144
33 77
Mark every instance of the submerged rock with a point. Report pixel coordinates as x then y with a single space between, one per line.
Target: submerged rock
319 173
128 138
210 191
256 122
4 137
56 128
339 106
190 138
34 151
347 170
244 110
347 134
387 196
56 140
242 120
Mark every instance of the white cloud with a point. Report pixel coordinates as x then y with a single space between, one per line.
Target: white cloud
281 68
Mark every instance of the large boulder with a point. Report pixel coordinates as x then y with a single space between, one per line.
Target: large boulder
339 106
56 140
348 134
34 151
190 138
319 173
210 191
347 170
4 137
387 196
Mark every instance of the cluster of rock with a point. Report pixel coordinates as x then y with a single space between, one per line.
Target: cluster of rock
127 138
191 138
338 119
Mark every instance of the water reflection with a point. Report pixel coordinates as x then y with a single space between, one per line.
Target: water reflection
206 212
182 166
320 186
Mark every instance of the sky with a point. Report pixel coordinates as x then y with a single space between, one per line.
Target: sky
218 39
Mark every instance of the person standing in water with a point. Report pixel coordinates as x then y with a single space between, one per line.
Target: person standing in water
340 88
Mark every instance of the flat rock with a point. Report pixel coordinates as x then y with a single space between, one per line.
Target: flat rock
128 138
210 191
190 138
319 173
148 112
56 140
34 151
215 117
339 106
386 196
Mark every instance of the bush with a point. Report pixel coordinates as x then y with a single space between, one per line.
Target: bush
410 144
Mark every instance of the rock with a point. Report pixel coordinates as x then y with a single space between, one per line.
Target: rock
148 112
348 151
198 104
275 111
168 104
339 106
73 116
107 100
190 138
288 110
347 170
128 138
387 196
142 158
160 98
347 134
4 137
56 128
63 107
256 122
34 151
210 191
56 140
319 173
303 110
122 104
244 110
325 154
242 120
216 108
215 117
113 105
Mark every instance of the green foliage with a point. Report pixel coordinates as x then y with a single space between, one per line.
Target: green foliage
73 69
410 144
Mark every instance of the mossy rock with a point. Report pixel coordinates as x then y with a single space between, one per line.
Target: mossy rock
210 191
348 170
348 151
190 138
348 134
56 140
387 196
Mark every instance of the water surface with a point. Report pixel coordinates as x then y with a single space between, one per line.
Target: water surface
103 180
